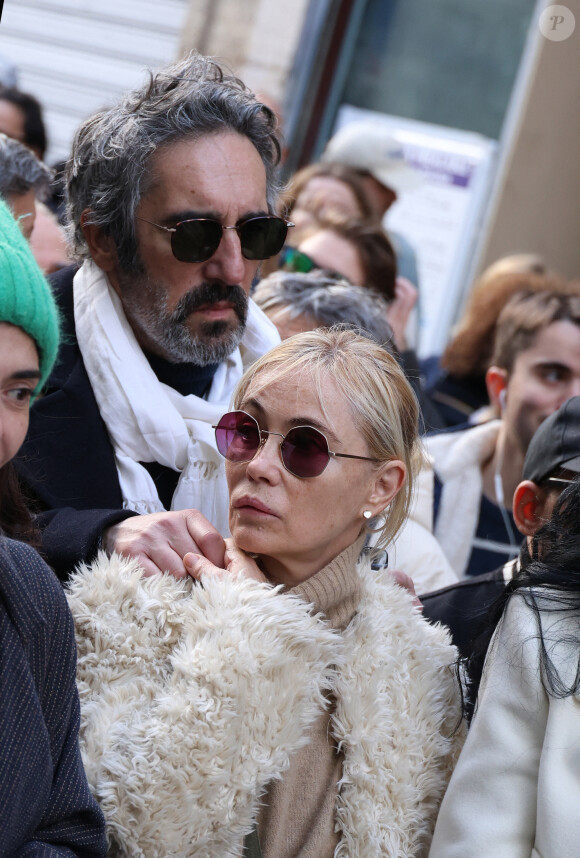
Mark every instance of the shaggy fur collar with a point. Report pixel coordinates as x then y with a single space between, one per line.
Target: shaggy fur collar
457 460
195 698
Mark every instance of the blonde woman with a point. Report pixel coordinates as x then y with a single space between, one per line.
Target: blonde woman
293 697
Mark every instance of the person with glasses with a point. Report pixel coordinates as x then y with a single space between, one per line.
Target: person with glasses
23 179
516 787
171 208
292 694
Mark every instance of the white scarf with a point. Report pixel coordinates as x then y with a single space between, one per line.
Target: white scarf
148 421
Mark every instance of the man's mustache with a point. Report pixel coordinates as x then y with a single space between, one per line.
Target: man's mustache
211 293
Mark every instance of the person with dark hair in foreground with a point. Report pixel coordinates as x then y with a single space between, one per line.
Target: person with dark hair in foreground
516 787
46 808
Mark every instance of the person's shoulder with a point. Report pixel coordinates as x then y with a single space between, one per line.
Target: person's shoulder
552 610
61 283
465 601
475 582
29 587
449 432
457 445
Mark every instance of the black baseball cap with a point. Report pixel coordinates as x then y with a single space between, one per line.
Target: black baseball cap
556 444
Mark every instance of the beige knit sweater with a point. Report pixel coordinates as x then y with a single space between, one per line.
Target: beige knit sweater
297 819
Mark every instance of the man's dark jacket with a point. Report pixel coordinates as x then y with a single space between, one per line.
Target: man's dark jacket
67 463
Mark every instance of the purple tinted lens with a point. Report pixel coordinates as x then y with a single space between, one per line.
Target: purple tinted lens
238 436
305 452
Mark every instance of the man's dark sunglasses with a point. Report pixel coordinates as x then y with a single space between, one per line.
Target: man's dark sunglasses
304 449
197 239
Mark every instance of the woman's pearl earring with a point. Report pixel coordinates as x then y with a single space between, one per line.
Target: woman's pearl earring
367 514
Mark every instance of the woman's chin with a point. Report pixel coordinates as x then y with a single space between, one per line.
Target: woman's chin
252 540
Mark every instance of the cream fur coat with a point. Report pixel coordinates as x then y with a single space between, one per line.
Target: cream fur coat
194 698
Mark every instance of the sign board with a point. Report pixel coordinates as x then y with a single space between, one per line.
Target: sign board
442 217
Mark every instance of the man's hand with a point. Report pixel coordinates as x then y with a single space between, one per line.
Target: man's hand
236 563
161 540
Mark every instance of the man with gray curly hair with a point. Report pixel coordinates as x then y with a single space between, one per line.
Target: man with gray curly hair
171 197
23 180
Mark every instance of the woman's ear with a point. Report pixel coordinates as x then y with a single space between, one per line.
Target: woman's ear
528 507
388 481
101 246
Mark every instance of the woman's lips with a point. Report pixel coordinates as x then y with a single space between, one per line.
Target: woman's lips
252 505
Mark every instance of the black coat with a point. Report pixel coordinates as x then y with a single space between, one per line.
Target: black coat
67 462
464 607
46 808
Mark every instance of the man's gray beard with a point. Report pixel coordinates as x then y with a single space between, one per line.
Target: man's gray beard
179 346
168 330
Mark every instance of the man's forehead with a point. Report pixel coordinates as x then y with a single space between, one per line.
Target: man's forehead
207 168
212 146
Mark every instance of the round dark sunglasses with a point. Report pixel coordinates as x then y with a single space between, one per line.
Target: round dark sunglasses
197 239
304 449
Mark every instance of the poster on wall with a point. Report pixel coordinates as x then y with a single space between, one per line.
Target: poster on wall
442 216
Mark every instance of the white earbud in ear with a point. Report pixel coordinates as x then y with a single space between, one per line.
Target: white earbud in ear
502 398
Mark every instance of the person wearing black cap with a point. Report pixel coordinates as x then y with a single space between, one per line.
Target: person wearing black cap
516 788
552 459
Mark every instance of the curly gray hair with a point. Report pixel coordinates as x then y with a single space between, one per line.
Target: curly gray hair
328 301
107 171
20 170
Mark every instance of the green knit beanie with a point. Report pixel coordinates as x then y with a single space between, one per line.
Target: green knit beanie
26 299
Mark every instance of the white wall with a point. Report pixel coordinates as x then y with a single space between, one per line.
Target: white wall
536 201
78 55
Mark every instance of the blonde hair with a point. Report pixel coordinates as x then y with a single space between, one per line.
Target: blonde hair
380 399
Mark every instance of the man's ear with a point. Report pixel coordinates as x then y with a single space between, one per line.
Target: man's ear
101 246
389 480
528 507
496 381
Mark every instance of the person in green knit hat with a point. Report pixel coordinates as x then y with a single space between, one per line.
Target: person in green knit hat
45 802
25 297
28 322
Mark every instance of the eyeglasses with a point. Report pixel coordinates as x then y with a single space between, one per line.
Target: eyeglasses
295 260
304 449
563 481
197 239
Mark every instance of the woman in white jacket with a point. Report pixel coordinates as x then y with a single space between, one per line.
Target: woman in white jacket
295 695
516 788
